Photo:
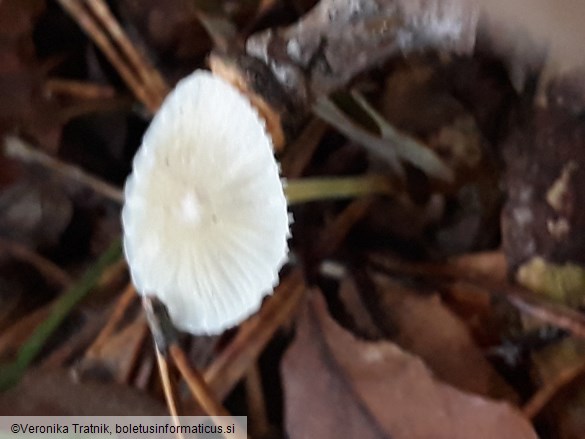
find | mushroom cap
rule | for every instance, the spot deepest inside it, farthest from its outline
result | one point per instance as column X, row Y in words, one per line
column 205, row 216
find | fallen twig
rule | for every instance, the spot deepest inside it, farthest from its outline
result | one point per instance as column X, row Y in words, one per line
column 143, row 91
column 167, row 385
column 235, row 360
column 164, row 336
column 16, row 148
column 78, row 89
column 150, row 76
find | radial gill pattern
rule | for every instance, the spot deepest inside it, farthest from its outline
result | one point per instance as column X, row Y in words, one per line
column 205, row 217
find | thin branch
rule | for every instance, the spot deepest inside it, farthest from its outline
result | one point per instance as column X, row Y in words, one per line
column 200, row 390
column 88, row 23
column 235, row 360
column 197, row 385
column 17, row 149
column 150, row 76
column 165, row 339
column 78, row 89
column 167, row 386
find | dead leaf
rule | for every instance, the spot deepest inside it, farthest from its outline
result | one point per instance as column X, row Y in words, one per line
column 427, row 328
column 421, row 324
column 338, row 386
column 52, row 393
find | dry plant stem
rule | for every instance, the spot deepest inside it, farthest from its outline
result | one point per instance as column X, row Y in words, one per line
column 87, row 22
column 200, row 390
column 17, row 149
column 196, row 384
column 167, row 386
column 150, row 76
column 535, row 405
column 164, row 335
column 234, row 361
column 72, row 111
column 78, row 89
column 323, row 188
column 54, row 274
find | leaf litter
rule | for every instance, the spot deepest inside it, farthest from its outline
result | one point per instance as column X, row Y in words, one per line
column 451, row 103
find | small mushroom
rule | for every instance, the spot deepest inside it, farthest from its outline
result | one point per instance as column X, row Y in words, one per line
column 205, row 216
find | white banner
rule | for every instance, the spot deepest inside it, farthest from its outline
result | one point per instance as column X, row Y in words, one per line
column 139, row 427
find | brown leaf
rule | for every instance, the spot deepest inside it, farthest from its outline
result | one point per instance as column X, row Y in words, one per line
column 44, row 393
column 427, row 328
column 338, row 386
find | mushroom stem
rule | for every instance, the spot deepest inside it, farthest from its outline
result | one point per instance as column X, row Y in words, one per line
column 313, row 189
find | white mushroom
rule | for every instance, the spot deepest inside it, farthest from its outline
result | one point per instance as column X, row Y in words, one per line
column 205, row 217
